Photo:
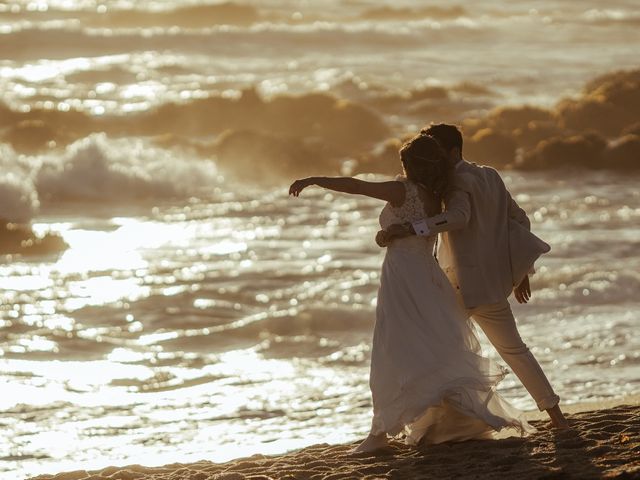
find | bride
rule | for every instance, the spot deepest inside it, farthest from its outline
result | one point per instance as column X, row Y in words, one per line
column 428, row 379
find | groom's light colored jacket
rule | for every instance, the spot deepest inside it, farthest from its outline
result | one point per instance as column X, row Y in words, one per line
column 485, row 246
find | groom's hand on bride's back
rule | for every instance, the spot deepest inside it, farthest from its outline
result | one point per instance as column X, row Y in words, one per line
column 384, row 237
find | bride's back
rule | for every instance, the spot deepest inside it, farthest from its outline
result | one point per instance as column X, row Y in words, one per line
column 432, row 206
column 418, row 204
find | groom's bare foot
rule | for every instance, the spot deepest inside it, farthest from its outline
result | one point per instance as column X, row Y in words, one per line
column 371, row 444
column 558, row 419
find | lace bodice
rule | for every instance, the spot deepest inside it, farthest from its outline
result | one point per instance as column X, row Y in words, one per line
column 410, row 211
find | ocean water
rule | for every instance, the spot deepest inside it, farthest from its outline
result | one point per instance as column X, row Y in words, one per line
column 198, row 315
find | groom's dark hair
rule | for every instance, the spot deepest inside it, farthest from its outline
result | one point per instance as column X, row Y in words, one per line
column 448, row 136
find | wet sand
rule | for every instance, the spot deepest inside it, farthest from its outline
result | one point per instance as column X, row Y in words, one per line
column 604, row 443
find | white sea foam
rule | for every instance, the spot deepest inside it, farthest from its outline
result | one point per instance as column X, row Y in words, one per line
column 99, row 169
column 18, row 198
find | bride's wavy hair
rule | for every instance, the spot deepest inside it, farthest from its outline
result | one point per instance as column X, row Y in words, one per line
column 425, row 163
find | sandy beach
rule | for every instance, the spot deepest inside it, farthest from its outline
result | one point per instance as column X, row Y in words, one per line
column 604, row 443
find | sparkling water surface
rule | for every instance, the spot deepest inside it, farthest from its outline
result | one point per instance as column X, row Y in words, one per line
column 225, row 327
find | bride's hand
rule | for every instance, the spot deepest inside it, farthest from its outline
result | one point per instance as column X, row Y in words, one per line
column 382, row 238
column 299, row 185
column 385, row 237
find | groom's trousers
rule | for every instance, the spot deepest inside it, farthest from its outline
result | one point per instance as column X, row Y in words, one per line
column 499, row 325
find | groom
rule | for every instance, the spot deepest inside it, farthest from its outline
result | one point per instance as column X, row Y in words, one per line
column 485, row 249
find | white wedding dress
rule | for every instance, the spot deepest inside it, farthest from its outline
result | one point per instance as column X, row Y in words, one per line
column 428, row 378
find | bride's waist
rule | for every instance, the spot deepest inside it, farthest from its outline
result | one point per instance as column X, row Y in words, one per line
column 413, row 243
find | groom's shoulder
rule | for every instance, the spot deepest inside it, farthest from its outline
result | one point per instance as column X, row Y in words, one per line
column 481, row 171
column 464, row 180
column 475, row 178
column 468, row 166
column 468, row 172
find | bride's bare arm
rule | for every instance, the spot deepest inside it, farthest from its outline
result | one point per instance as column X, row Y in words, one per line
column 392, row 191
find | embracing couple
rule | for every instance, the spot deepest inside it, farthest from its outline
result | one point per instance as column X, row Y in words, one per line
column 429, row 380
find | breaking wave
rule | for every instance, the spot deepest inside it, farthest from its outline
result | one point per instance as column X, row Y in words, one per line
column 599, row 129
column 259, row 138
column 99, row 169
column 248, row 135
column 18, row 198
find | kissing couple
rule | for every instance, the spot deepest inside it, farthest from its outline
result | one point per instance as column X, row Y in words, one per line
column 429, row 381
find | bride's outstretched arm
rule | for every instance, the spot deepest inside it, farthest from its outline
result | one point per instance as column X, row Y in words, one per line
column 392, row 191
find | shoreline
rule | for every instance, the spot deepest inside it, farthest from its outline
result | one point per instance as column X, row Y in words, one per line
column 604, row 443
